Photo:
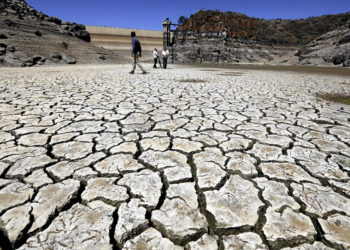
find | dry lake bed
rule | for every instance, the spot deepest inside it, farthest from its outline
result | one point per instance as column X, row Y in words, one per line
column 184, row 158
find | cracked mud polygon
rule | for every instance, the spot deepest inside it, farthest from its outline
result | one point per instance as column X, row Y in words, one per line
column 94, row 158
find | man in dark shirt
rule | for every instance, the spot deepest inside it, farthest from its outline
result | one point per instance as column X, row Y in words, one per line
column 136, row 53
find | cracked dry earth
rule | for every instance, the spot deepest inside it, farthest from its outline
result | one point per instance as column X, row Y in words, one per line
column 93, row 158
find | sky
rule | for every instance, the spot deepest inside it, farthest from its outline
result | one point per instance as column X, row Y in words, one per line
column 149, row 14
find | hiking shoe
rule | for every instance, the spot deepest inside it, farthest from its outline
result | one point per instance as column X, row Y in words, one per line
column 131, row 72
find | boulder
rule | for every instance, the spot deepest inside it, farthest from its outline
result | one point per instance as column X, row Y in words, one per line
column 40, row 15
column 345, row 39
column 68, row 60
column 338, row 59
column 38, row 33
column 56, row 57
column 77, row 27
column 10, row 48
column 19, row 55
column 2, row 51
column 65, row 27
column 2, row 48
column 49, row 62
column 55, row 20
column 3, row 36
column 304, row 51
column 2, row 6
column 64, row 45
column 83, row 35
column 10, row 24
column 37, row 59
column 10, row 60
column 28, row 62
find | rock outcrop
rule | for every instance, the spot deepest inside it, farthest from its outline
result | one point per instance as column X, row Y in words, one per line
column 330, row 48
column 29, row 37
column 196, row 48
column 276, row 31
column 216, row 37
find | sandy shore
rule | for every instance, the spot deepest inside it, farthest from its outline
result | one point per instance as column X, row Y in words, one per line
column 92, row 157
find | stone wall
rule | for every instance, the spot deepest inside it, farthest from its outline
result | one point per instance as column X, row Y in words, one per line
column 118, row 39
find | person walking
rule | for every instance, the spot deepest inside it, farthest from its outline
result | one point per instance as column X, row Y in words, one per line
column 159, row 61
column 165, row 54
column 136, row 53
column 156, row 59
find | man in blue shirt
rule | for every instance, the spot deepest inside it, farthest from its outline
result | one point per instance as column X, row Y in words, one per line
column 136, row 53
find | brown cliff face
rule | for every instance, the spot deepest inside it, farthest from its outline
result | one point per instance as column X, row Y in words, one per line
column 216, row 37
column 236, row 25
column 278, row 31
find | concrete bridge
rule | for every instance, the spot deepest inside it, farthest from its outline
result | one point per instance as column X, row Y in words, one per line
column 118, row 39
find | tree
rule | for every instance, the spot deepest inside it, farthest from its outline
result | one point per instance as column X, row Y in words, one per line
column 182, row 20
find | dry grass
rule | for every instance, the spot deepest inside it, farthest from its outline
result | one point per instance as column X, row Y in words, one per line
column 231, row 74
column 339, row 98
column 191, row 80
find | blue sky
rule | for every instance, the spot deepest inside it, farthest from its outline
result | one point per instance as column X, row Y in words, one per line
column 148, row 14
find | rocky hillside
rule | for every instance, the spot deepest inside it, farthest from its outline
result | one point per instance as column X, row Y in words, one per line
column 216, row 49
column 216, row 37
column 277, row 31
column 330, row 48
column 29, row 37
